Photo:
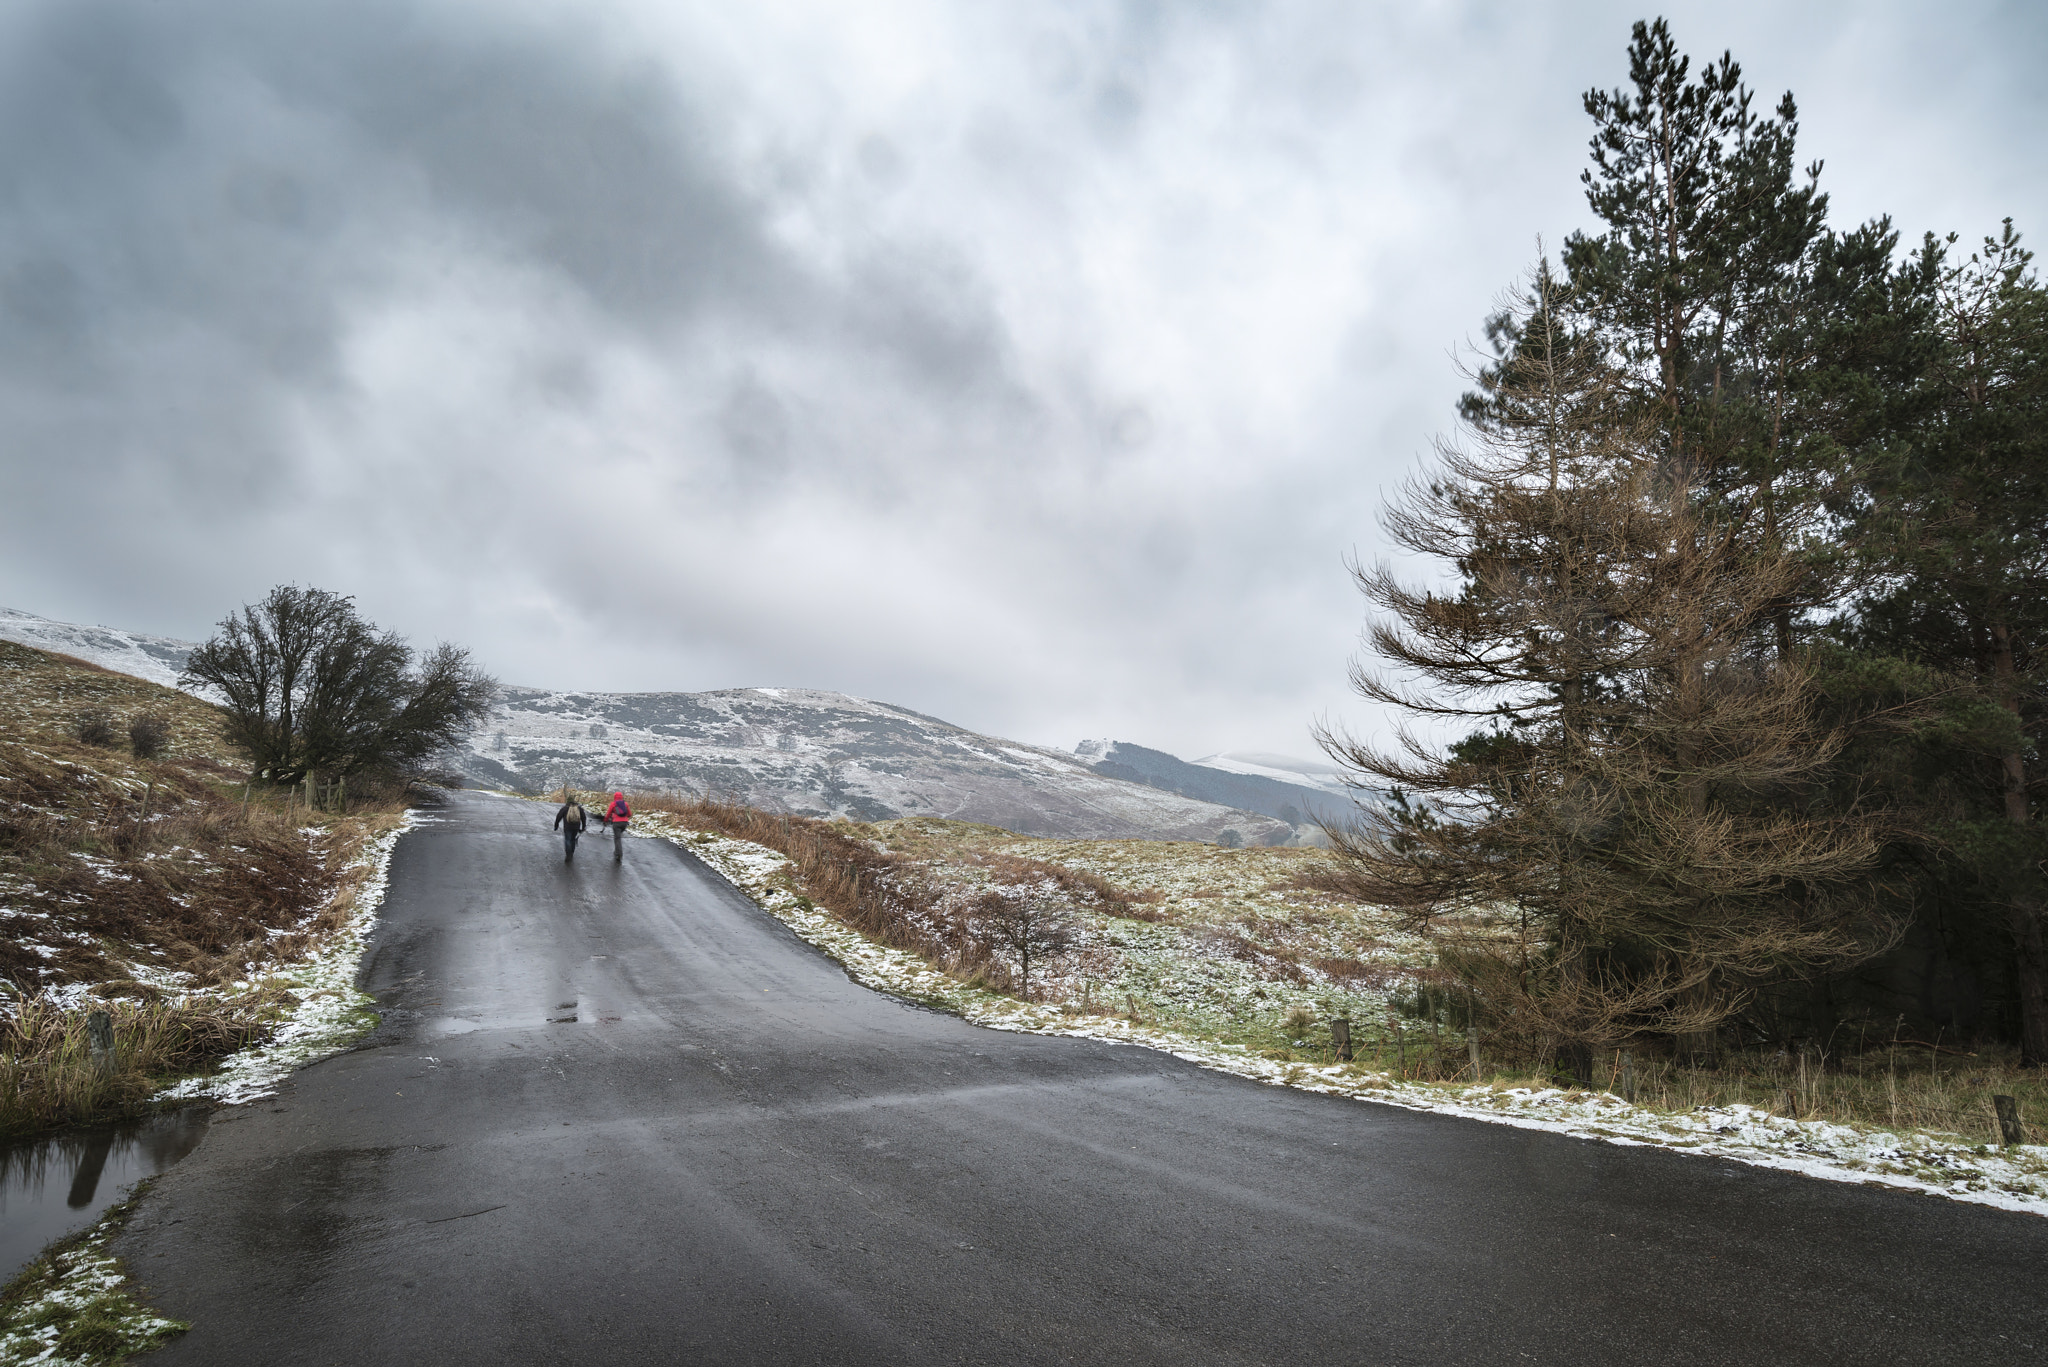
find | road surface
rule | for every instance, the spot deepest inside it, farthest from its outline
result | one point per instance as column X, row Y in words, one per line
column 616, row 1114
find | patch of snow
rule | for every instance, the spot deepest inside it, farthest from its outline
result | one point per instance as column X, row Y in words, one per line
column 329, row 1013
column 87, row 1274
column 1308, row 773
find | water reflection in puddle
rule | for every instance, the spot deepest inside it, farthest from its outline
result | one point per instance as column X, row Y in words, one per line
column 55, row 1186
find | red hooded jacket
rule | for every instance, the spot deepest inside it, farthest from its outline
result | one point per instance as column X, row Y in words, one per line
column 618, row 813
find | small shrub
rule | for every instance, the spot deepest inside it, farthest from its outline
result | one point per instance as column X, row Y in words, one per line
column 1025, row 928
column 1298, row 1019
column 148, row 733
column 94, row 727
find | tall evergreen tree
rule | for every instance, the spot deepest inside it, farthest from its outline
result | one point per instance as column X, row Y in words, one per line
column 1612, row 855
column 1695, row 280
column 1955, row 531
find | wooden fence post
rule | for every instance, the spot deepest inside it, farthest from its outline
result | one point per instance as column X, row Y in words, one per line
column 1340, row 1038
column 1628, row 1077
column 99, row 1040
column 2009, row 1120
column 1472, row 1049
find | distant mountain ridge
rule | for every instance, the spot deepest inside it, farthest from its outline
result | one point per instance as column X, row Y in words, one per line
column 827, row 754
column 1295, row 803
column 797, row 750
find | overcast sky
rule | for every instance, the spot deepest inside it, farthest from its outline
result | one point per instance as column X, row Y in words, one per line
column 1035, row 365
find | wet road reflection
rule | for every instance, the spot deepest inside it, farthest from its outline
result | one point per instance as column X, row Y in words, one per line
column 59, row 1184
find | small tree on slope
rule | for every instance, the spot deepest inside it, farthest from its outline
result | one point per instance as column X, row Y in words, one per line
column 309, row 686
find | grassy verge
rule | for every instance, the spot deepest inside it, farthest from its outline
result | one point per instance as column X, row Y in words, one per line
column 1233, row 965
column 49, row 1076
column 73, row 1304
column 147, row 882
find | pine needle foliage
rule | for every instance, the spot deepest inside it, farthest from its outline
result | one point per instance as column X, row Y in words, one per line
column 1621, row 847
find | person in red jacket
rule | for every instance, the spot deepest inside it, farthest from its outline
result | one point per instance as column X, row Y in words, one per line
column 618, row 814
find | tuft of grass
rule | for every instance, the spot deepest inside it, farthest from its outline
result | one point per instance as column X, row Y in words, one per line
column 49, row 1077
column 95, row 726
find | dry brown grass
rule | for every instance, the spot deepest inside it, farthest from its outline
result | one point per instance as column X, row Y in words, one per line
column 1903, row 1088
column 48, row 1076
column 98, row 866
column 879, row 894
column 115, row 867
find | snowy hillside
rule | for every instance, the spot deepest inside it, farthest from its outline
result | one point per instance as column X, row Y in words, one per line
column 1286, row 794
column 826, row 753
column 794, row 749
column 158, row 659
column 1307, row 773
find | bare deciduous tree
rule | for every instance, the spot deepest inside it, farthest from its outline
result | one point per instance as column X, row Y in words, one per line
column 309, row 685
column 1027, row 927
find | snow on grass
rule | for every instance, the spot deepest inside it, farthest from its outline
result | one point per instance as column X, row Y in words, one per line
column 2012, row 1178
column 327, row 1013
column 72, row 1307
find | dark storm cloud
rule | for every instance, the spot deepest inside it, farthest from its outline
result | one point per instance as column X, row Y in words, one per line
column 1035, row 366
column 231, row 179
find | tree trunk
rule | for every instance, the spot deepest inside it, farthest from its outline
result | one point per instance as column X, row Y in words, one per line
column 2030, row 972
column 2030, row 938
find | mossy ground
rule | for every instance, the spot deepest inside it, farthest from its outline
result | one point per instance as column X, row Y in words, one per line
column 75, row 1305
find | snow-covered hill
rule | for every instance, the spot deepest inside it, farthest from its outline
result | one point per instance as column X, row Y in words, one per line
column 826, row 753
column 1307, row 773
column 794, row 749
column 159, row 659
column 1233, row 781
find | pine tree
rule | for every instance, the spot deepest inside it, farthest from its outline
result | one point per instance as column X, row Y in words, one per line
column 1606, row 858
column 1955, row 530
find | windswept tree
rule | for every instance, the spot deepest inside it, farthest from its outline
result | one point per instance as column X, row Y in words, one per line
column 1619, row 848
column 309, row 686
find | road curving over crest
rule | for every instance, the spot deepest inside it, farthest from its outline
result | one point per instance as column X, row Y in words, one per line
column 615, row 1113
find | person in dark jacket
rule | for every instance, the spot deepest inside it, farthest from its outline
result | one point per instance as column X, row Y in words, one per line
column 617, row 816
column 570, row 821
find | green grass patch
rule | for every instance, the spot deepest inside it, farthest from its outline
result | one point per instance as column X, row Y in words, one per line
column 74, row 1303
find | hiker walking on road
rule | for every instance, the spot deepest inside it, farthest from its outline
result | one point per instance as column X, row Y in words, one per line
column 617, row 815
column 570, row 821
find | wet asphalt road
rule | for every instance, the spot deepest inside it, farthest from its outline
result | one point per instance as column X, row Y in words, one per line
column 732, row 1154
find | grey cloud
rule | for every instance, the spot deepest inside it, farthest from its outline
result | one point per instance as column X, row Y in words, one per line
column 197, row 199
column 1046, row 396
column 755, row 423
column 123, row 141
column 926, row 309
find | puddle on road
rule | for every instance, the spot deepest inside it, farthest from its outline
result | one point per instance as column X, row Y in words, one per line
column 58, row 1185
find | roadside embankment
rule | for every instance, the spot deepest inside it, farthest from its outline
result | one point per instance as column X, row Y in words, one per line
column 1229, row 959
column 158, row 913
